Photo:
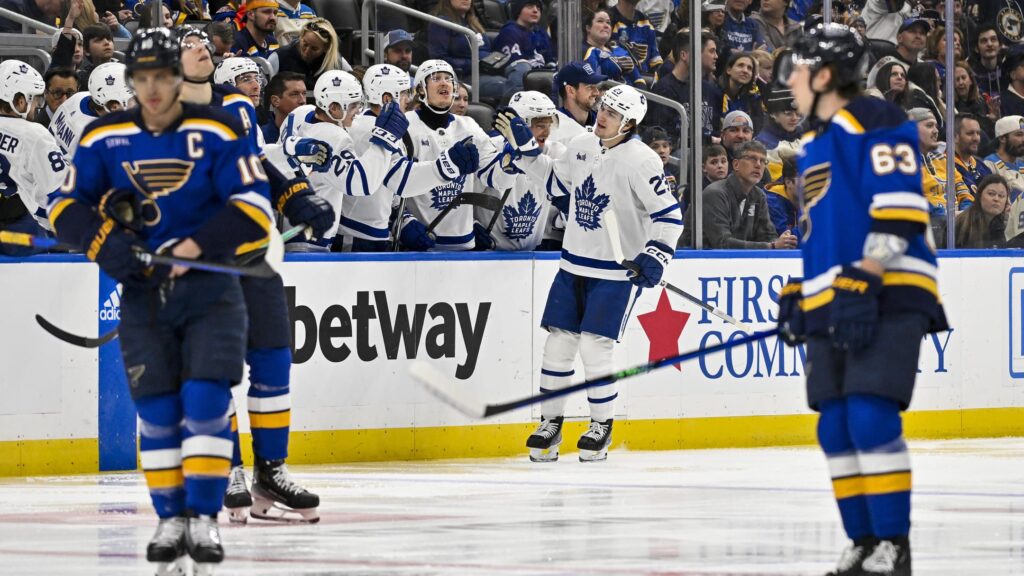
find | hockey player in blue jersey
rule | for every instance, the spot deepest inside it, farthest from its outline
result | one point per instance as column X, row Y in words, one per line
column 180, row 178
column 275, row 496
column 869, row 292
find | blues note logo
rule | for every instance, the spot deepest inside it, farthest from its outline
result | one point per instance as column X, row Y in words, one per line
column 589, row 205
column 443, row 195
column 520, row 219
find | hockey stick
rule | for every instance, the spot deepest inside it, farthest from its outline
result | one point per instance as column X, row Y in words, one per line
column 459, row 397
column 612, row 223
column 75, row 340
column 494, row 218
column 485, row 201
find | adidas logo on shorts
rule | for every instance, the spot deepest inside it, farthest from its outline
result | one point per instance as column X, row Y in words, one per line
column 111, row 309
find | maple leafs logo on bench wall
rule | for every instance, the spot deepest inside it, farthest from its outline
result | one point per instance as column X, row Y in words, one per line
column 590, row 205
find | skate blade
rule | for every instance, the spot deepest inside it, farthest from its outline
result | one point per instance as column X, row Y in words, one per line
column 593, row 455
column 275, row 512
column 177, row 568
column 544, row 454
column 238, row 515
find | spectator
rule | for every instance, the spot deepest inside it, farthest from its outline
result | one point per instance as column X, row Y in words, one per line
column 884, row 18
column 461, row 105
column 967, row 139
column 1007, row 17
column 292, row 15
column 88, row 16
column 985, row 62
column 603, row 54
column 675, row 85
column 775, row 26
column 222, row 36
column 968, row 99
column 783, row 120
column 315, row 52
column 632, row 30
column 737, row 128
column 1008, row 159
column 46, row 11
column 454, row 48
column 935, row 50
column 735, row 210
column 925, row 91
column 398, row 46
column 658, row 140
column 61, row 84
column 910, row 40
column 146, row 16
column 98, row 44
column 740, row 90
column 525, row 43
column 984, row 224
column 256, row 38
column 285, row 92
column 577, row 87
column 68, row 51
column 860, row 25
column 891, row 81
column 716, row 164
column 933, row 165
column 742, row 33
column 765, row 65
column 1011, row 99
column 783, row 200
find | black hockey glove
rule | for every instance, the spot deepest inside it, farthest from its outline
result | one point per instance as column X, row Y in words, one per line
column 791, row 316
column 854, row 311
column 484, row 239
column 300, row 205
column 123, row 207
column 115, row 250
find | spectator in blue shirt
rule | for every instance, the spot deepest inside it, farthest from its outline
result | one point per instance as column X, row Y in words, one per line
column 526, row 44
column 740, row 88
column 633, row 31
column 454, row 48
column 783, row 120
column 604, row 55
column 741, row 32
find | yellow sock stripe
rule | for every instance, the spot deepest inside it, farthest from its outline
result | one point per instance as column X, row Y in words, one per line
column 887, row 483
column 206, row 466
column 164, row 479
column 281, row 419
column 234, row 423
column 848, row 487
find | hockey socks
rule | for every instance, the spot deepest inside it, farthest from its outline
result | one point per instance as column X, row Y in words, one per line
column 206, row 446
column 597, row 353
column 160, row 452
column 557, row 368
column 269, row 401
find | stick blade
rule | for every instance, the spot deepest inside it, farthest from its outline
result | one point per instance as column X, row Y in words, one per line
column 611, row 223
column 446, row 390
column 73, row 339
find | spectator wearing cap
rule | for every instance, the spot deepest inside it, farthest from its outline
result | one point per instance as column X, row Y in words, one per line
column 313, row 53
column 1011, row 99
column 860, row 25
column 776, row 27
column 454, row 48
column 632, row 30
column 737, row 128
column 577, row 87
column 1008, row 159
column 910, row 40
column 735, row 210
column 675, row 86
column 884, row 18
column 967, row 140
column 46, row 11
column 398, row 46
column 257, row 38
column 741, row 32
column 783, row 120
column 741, row 89
column 933, row 165
column 98, row 44
column 526, row 44
column 601, row 52
column 985, row 61
column 285, row 92
column 658, row 140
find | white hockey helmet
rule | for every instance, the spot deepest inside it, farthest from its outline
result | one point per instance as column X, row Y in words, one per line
column 381, row 79
column 530, row 104
column 628, row 102
column 427, row 70
column 228, row 71
column 17, row 77
column 107, row 84
column 337, row 87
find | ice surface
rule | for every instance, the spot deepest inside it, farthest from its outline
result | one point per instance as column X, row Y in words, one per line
column 763, row 511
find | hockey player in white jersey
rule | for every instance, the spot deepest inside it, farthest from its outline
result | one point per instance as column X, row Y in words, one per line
column 31, row 164
column 244, row 74
column 592, row 295
column 108, row 92
column 364, row 220
column 527, row 208
column 433, row 129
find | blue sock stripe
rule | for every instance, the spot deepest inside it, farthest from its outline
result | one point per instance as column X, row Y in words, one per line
column 557, row 374
column 603, row 400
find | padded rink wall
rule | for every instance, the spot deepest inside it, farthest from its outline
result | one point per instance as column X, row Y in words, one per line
column 359, row 319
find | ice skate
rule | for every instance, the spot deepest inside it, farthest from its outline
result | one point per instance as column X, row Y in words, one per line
column 277, row 497
column 594, row 443
column 544, row 441
column 167, row 547
column 889, row 558
column 202, row 540
column 852, row 558
column 237, row 499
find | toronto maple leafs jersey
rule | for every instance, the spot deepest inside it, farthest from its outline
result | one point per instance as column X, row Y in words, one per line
column 861, row 173
column 455, row 232
column 524, row 214
column 70, row 120
column 628, row 178
column 201, row 169
column 31, row 165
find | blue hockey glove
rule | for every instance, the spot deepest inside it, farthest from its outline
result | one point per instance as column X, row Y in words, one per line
column 461, row 159
column 854, row 311
column 389, row 128
column 516, row 132
column 300, row 205
column 315, row 153
column 562, row 203
column 791, row 316
column 484, row 239
column 414, row 235
column 649, row 265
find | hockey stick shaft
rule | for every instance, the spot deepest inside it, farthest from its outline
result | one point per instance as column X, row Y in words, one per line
column 497, row 213
column 73, row 339
column 471, row 198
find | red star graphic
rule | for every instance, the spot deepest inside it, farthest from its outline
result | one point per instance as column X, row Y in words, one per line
column 663, row 327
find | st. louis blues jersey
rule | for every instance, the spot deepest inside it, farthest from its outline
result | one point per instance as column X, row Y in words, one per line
column 70, row 120
column 31, row 165
column 861, row 173
column 199, row 170
column 628, row 179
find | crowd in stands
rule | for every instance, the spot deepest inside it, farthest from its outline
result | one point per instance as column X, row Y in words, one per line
column 750, row 125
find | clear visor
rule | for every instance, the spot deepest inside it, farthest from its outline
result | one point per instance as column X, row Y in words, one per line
column 441, row 77
column 250, row 77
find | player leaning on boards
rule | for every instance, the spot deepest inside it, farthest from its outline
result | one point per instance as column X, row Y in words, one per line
column 108, row 92
column 592, row 296
column 870, row 292
column 182, row 178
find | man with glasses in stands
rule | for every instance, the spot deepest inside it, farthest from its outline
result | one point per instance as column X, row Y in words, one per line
column 61, row 84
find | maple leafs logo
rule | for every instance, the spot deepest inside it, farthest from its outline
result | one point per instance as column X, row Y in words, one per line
column 443, row 195
column 520, row 220
column 589, row 205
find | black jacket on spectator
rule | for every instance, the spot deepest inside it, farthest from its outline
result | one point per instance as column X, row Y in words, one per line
column 289, row 60
column 989, row 81
column 1010, row 103
column 24, row 7
column 733, row 219
column 64, row 53
column 671, row 87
